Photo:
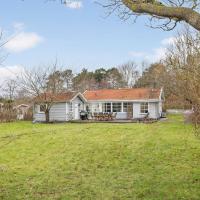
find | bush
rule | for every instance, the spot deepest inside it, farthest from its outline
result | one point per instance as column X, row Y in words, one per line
column 7, row 116
column 193, row 118
column 28, row 116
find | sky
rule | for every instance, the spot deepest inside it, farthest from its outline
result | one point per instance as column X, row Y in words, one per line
column 77, row 35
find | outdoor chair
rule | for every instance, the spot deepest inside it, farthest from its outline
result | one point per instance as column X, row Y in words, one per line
column 95, row 116
column 146, row 117
column 113, row 116
column 91, row 115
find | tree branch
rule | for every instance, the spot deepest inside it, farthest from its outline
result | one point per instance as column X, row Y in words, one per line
column 174, row 13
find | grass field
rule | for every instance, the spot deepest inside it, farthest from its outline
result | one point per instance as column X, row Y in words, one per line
column 99, row 161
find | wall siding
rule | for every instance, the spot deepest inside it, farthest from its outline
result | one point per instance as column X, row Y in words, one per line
column 58, row 112
column 69, row 113
column 136, row 111
column 154, row 110
column 121, row 115
column 39, row 117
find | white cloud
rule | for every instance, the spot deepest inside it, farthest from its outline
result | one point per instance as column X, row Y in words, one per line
column 168, row 41
column 23, row 41
column 73, row 4
column 155, row 54
column 10, row 72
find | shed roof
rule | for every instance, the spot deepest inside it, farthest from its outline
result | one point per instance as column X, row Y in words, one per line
column 60, row 97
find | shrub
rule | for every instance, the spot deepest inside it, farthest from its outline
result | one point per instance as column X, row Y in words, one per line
column 7, row 116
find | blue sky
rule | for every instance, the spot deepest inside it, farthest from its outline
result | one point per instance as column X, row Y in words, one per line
column 77, row 38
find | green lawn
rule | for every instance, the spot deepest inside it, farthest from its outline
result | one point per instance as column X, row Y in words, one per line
column 99, row 161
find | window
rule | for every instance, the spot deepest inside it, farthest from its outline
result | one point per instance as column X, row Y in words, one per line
column 144, row 108
column 42, row 108
column 127, row 107
column 117, row 107
column 106, row 107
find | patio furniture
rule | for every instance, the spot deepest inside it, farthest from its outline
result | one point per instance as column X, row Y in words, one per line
column 146, row 117
column 104, row 116
column 96, row 117
column 114, row 116
column 83, row 115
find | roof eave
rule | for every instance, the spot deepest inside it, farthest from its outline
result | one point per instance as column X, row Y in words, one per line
column 124, row 100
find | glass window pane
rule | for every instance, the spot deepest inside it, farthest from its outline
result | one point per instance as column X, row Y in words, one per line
column 106, row 107
column 127, row 106
column 42, row 107
column 116, row 107
column 144, row 108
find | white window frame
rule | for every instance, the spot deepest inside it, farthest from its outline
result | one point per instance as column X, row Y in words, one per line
column 39, row 107
column 127, row 104
column 144, row 104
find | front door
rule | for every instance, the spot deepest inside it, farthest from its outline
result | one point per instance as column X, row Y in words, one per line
column 76, row 111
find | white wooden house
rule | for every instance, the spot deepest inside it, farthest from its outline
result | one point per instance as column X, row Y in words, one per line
column 131, row 103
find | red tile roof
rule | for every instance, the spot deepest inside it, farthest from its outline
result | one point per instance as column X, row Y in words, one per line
column 123, row 94
column 61, row 97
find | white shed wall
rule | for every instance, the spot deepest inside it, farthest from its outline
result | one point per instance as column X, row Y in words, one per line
column 39, row 117
column 58, row 112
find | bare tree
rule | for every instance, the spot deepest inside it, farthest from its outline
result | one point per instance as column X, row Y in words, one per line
column 129, row 73
column 165, row 13
column 183, row 61
column 10, row 89
column 36, row 85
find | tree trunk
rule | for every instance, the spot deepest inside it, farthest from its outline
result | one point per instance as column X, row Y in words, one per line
column 47, row 116
column 175, row 13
